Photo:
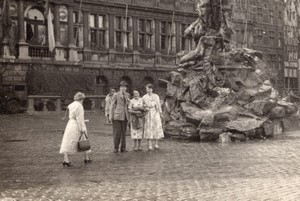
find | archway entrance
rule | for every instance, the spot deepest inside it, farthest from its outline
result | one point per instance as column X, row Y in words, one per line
column 129, row 82
column 145, row 81
column 101, row 89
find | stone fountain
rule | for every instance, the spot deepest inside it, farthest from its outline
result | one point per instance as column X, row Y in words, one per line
column 219, row 91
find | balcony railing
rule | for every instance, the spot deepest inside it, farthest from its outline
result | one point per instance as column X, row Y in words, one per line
column 128, row 58
column 147, row 58
column 37, row 51
column 168, row 60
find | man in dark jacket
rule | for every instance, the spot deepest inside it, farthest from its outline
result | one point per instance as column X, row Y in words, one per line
column 119, row 117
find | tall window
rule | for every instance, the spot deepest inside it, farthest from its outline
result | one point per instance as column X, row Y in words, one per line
column 123, row 33
column 185, row 44
column 272, row 16
column 291, row 80
column 259, row 14
column 63, row 13
column 35, row 27
column 78, row 28
column 280, row 37
column 98, row 30
column 146, row 34
column 259, row 36
column 272, row 38
column 167, row 37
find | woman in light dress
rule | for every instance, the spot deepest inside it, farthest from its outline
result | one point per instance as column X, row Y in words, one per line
column 136, row 111
column 75, row 127
column 153, row 130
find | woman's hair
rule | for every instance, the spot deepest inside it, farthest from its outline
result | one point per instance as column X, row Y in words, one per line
column 79, row 96
column 137, row 91
column 150, row 86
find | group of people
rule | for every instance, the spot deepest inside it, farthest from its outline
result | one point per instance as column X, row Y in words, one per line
column 144, row 115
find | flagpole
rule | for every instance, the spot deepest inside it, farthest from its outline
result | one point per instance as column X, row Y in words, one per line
column 125, row 33
column 170, row 35
column 77, row 30
column 246, row 26
column 51, row 40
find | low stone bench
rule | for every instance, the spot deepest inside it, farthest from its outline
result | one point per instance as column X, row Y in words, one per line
column 94, row 98
column 44, row 99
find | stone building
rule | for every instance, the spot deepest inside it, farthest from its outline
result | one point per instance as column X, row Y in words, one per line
column 291, row 44
column 259, row 24
column 108, row 40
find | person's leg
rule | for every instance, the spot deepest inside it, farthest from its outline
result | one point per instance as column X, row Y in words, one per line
column 139, row 144
column 87, row 157
column 87, row 154
column 135, row 144
column 66, row 158
column 123, row 135
column 156, row 144
column 117, row 129
column 150, row 144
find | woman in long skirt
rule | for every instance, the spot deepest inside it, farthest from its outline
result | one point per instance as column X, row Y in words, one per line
column 153, row 130
column 74, row 129
column 136, row 111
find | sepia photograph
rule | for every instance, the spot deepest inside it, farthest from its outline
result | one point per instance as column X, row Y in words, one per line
column 149, row 100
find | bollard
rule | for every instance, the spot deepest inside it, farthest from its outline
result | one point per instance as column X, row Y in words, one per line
column 58, row 105
column 30, row 109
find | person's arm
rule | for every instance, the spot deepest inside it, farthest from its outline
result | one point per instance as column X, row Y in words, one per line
column 145, row 105
column 133, row 110
column 107, row 105
column 65, row 114
column 80, row 119
column 130, row 107
column 158, row 105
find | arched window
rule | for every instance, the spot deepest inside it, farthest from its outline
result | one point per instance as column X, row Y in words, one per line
column 101, row 85
column 145, row 81
column 35, row 26
column 63, row 27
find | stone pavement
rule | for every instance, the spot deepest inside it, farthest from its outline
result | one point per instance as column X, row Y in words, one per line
column 31, row 169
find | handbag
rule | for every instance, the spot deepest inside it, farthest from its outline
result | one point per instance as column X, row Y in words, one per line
column 84, row 144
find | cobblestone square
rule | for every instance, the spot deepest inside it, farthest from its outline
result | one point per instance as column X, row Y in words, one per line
column 31, row 168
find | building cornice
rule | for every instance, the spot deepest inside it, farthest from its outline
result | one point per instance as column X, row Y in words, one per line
column 87, row 3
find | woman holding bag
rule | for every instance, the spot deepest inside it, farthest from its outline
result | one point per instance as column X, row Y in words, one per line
column 74, row 130
column 136, row 111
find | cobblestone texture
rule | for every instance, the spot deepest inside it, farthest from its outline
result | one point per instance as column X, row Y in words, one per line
column 31, row 167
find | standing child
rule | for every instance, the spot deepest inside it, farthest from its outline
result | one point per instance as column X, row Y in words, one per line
column 107, row 104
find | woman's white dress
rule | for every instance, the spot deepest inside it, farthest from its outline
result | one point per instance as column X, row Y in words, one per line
column 73, row 129
column 136, row 133
column 153, row 124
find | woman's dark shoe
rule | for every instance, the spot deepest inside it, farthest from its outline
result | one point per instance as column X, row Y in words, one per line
column 67, row 164
column 86, row 161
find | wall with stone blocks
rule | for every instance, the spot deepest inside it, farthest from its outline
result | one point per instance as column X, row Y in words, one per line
column 13, row 73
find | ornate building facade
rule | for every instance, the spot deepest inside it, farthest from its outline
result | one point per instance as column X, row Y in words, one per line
column 259, row 24
column 291, row 44
column 110, row 40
